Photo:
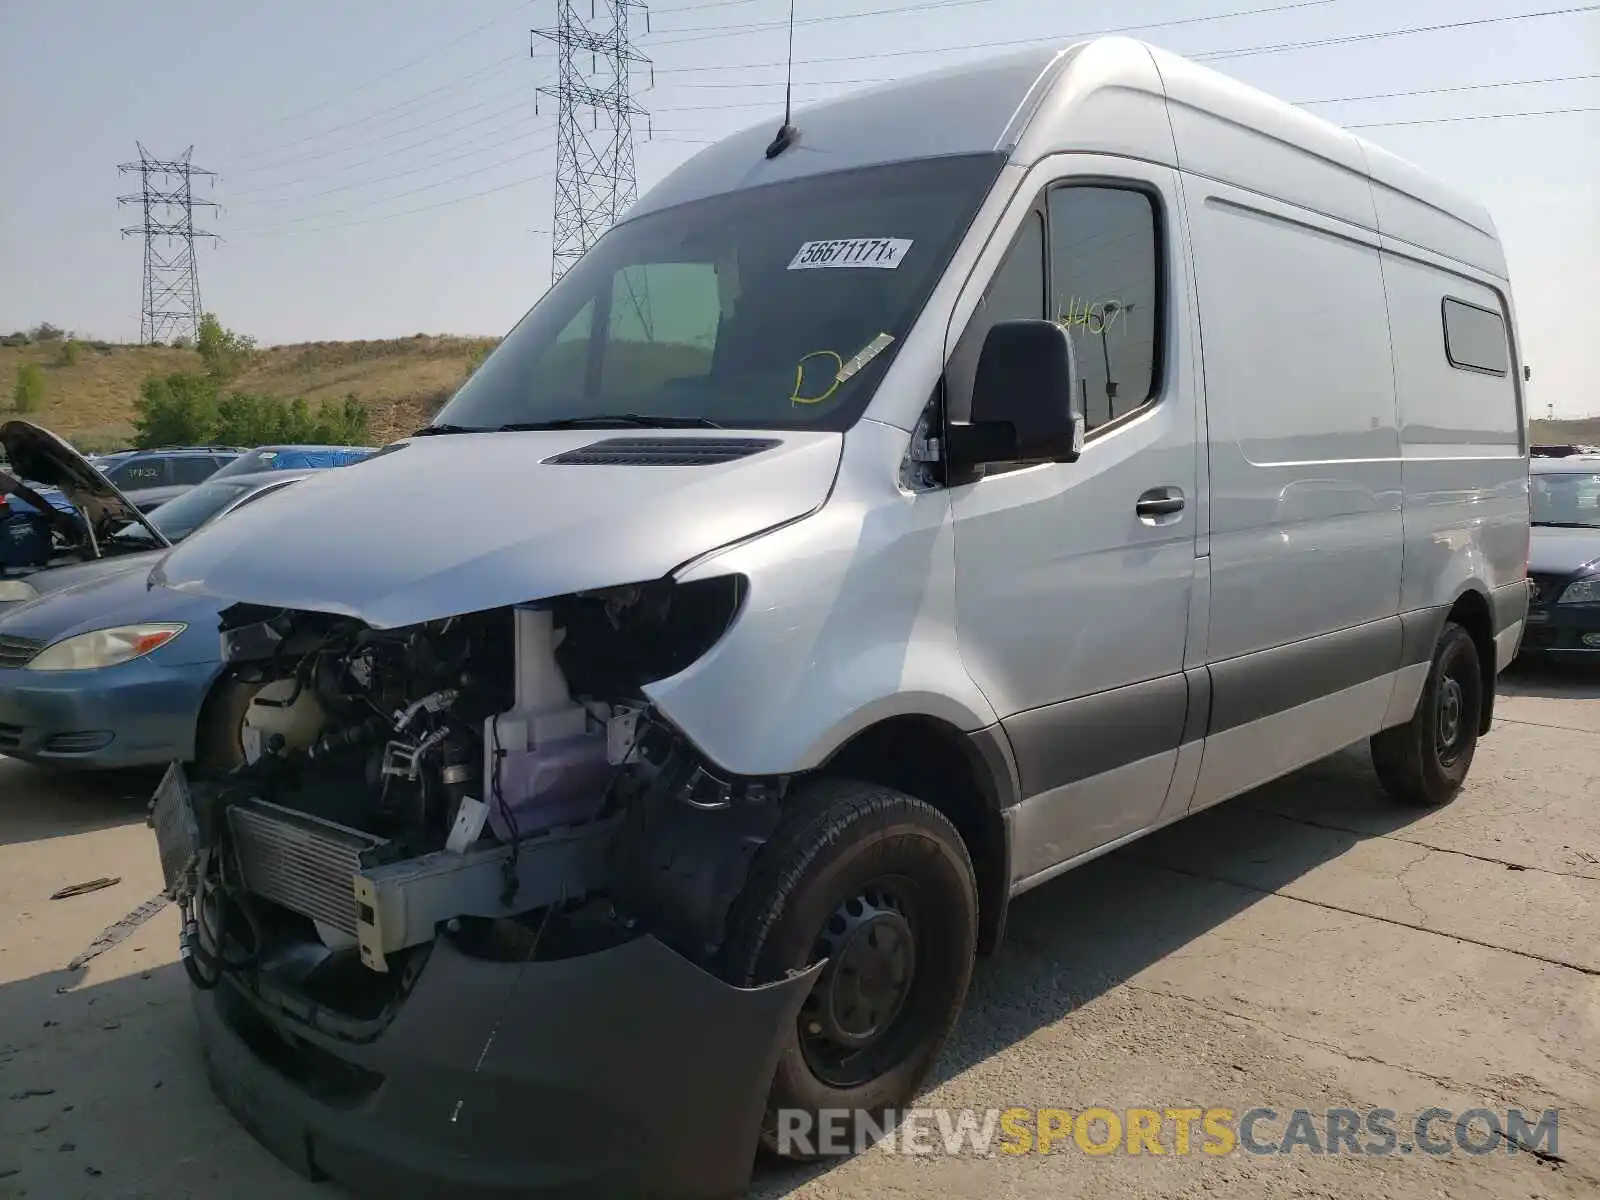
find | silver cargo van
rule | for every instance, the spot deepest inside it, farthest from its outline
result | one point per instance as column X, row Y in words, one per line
column 877, row 522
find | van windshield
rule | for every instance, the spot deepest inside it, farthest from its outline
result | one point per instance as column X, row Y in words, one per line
column 772, row 307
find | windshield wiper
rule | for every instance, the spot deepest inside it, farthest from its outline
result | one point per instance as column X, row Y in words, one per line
column 1564, row 525
column 611, row 419
column 428, row 430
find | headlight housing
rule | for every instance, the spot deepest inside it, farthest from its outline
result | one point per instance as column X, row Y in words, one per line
column 1585, row 591
column 104, row 647
column 13, row 591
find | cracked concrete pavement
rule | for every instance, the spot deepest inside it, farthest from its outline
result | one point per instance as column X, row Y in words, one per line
column 1309, row 945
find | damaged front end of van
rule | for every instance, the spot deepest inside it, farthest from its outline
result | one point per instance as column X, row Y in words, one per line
column 454, row 917
column 472, row 913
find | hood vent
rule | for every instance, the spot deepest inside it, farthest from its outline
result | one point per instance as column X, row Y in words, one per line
column 662, row 452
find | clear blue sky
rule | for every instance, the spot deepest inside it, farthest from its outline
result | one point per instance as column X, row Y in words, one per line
column 329, row 123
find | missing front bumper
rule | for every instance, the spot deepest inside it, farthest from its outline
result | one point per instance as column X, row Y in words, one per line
column 625, row 1072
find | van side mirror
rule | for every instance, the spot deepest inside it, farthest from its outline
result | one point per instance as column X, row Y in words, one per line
column 1024, row 403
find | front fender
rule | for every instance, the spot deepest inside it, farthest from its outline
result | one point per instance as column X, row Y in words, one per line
column 850, row 619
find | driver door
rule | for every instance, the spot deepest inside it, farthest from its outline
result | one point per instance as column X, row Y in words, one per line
column 1074, row 590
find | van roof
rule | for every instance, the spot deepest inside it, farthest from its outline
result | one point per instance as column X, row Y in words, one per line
column 1112, row 95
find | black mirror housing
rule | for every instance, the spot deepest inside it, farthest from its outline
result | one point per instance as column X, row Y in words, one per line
column 1024, row 403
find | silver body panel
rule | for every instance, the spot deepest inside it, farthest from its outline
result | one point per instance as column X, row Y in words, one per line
column 397, row 556
column 1344, row 484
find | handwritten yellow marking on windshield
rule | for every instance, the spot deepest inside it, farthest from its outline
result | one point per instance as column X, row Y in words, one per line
column 844, row 371
column 799, row 377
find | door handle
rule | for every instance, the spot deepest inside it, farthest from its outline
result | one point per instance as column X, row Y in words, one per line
column 1159, row 502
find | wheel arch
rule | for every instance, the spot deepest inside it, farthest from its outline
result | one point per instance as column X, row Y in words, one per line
column 1473, row 611
column 970, row 777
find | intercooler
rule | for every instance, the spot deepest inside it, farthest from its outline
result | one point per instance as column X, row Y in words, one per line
column 301, row 862
column 328, row 872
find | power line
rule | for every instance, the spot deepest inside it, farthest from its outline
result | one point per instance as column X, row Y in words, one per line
column 1353, row 38
column 433, row 139
column 706, row 141
column 1433, row 91
column 171, row 295
column 427, row 187
column 700, row 33
column 1242, row 52
column 1509, row 116
column 398, row 133
column 453, row 86
column 426, row 165
column 393, row 71
column 697, row 7
column 409, row 212
column 1439, row 91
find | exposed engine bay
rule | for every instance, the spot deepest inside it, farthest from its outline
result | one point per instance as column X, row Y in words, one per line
column 497, row 777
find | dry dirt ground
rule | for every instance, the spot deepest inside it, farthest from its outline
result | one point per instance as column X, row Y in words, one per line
column 1305, row 946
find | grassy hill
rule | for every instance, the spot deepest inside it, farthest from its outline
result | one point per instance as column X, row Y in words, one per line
column 402, row 382
column 90, row 401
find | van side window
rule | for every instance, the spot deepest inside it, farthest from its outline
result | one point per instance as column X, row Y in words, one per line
column 664, row 321
column 1016, row 293
column 1105, row 291
column 1475, row 338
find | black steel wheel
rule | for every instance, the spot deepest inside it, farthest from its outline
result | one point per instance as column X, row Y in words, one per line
column 879, row 885
column 1425, row 761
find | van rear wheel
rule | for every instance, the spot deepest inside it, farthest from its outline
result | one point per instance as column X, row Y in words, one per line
column 1425, row 761
column 881, row 886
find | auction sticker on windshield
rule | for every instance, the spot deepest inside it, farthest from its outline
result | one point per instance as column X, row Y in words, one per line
column 884, row 253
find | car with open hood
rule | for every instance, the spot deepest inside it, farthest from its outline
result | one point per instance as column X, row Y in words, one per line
column 74, row 520
column 1564, row 558
column 858, row 538
column 134, row 547
column 99, row 666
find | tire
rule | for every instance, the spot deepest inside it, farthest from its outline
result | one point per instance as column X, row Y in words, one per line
column 1425, row 761
column 880, row 884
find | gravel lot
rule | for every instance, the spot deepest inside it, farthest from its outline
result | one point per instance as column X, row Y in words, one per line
column 1305, row 946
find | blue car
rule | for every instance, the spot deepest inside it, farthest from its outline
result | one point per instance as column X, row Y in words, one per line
column 103, row 667
column 110, row 673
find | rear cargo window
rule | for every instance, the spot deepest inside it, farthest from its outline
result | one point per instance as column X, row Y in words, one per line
column 1475, row 338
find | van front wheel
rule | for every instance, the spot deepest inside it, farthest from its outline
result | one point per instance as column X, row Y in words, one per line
column 1425, row 761
column 881, row 886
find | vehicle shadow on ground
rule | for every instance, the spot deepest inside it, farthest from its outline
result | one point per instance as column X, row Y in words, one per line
column 37, row 803
column 1080, row 936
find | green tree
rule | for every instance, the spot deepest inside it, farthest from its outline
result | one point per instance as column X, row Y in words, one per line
column 28, row 393
column 224, row 352
column 69, row 353
column 175, row 410
column 247, row 419
column 46, row 332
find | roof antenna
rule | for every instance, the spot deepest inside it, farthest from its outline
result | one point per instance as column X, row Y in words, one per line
column 787, row 135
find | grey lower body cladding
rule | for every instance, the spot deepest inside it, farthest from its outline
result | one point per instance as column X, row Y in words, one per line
column 626, row 1072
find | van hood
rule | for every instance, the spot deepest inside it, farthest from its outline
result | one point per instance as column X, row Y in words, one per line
column 39, row 456
column 1554, row 550
column 437, row 526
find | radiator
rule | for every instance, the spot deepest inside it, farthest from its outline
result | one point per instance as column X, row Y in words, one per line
column 304, row 863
